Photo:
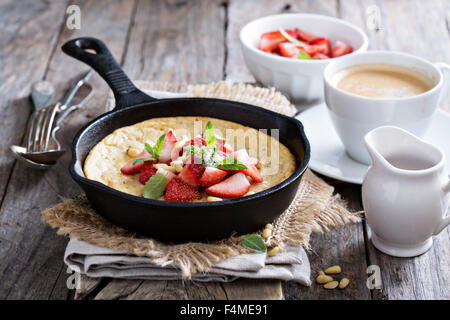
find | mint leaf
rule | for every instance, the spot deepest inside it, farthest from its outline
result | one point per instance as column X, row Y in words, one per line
column 139, row 160
column 149, row 149
column 209, row 135
column 254, row 242
column 303, row 55
column 158, row 146
column 231, row 163
column 155, row 186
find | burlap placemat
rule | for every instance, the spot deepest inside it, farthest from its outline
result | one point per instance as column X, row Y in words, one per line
column 315, row 208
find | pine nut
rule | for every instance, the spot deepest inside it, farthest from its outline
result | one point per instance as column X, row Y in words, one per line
column 321, row 273
column 266, row 233
column 321, row 279
column 274, row 251
column 178, row 165
column 211, row 199
column 333, row 270
column 344, row 283
column 133, row 152
column 164, row 166
column 268, row 226
column 331, row 285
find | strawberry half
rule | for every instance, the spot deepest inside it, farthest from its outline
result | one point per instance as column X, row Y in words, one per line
column 235, row 186
column 291, row 50
column 251, row 171
column 304, row 36
column 169, row 143
column 177, row 190
column 192, row 173
column 224, row 147
column 147, row 171
column 288, row 49
column 199, row 142
column 323, row 44
column 270, row 40
column 129, row 168
column 340, row 48
column 212, row 176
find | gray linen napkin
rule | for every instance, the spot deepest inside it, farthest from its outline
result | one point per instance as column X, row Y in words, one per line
column 95, row 262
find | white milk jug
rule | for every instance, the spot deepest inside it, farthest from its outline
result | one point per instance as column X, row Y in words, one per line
column 405, row 193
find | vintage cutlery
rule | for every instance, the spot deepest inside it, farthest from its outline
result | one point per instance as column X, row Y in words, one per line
column 42, row 131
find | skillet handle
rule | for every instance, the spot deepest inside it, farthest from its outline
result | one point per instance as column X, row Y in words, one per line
column 102, row 61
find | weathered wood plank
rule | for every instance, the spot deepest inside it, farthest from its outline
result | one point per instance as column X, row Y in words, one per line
column 189, row 290
column 242, row 12
column 427, row 276
column 29, row 33
column 31, row 253
column 177, row 41
column 345, row 247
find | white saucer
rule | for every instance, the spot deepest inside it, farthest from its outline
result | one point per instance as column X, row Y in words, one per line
column 328, row 156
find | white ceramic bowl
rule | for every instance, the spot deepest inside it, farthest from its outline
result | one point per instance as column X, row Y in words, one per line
column 300, row 79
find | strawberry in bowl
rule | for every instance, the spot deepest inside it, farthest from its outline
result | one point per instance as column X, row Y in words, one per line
column 290, row 51
column 298, row 44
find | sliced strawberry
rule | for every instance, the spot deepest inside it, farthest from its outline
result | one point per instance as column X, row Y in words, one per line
column 199, row 142
column 291, row 50
column 304, row 36
column 320, row 56
column 270, row 40
column 340, row 48
column 212, row 176
column 129, row 168
column 178, row 190
column 288, row 49
column 235, row 186
column 169, row 143
column 243, row 157
column 169, row 175
column 323, row 44
column 253, row 161
column 251, row 171
column 192, row 173
column 147, row 171
column 225, row 147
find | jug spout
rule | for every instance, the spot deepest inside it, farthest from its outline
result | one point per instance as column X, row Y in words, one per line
column 397, row 149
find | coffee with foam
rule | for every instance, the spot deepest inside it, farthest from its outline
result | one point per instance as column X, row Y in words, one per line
column 377, row 80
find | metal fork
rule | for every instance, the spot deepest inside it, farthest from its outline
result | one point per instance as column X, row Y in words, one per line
column 41, row 127
column 41, row 96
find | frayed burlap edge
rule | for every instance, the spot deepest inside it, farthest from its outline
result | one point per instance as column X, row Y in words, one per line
column 315, row 208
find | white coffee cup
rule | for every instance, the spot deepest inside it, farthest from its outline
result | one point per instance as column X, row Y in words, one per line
column 353, row 115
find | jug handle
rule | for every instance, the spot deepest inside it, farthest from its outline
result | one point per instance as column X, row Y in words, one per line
column 445, row 221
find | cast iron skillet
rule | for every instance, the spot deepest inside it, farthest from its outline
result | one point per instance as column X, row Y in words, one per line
column 174, row 221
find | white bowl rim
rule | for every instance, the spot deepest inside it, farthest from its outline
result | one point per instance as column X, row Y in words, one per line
column 363, row 47
column 437, row 85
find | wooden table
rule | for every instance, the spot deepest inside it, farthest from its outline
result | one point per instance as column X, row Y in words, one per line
column 186, row 41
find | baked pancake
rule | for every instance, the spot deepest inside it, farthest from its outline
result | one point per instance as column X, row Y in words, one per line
column 104, row 162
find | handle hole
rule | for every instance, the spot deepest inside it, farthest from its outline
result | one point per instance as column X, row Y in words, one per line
column 88, row 46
